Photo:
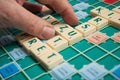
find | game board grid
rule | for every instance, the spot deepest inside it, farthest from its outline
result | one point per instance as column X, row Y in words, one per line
column 80, row 53
column 13, row 61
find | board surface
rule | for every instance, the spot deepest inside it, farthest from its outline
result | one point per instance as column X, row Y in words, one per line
column 78, row 57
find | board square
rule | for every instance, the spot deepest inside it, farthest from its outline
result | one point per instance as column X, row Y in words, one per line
column 116, row 37
column 109, row 45
column 95, row 53
column 97, row 38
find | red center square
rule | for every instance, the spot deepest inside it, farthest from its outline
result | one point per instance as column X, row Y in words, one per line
column 110, row 1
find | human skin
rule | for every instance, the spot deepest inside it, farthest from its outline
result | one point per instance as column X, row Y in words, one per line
column 19, row 13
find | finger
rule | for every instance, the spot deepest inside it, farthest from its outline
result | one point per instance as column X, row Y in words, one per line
column 20, row 1
column 34, row 8
column 64, row 8
column 30, row 23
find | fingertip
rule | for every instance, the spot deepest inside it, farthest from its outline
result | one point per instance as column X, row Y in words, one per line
column 70, row 17
column 73, row 21
column 47, row 33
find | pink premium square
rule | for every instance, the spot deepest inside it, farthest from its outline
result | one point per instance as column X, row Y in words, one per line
column 97, row 38
column 116, row 37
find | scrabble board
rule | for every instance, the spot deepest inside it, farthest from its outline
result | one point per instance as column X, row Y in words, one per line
column 93, row 54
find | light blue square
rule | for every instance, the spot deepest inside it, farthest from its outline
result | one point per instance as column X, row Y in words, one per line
column 62, row 71
column 92, row 71
column 81, row 6
column 18, row 53
column 81, row 15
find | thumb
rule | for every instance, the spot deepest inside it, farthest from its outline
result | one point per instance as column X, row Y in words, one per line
column 30, row 23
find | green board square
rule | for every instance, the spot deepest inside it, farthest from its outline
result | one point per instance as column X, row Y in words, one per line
column 82, row 45
column 34, row 71
column 100, row 4
column 2, row 51
column 68, row 53
column 95, row 53
column 45, row 77
column 17, row 32
column 110, row 7
column 110, row 30
column 86, row 19
column 79, row 62
column 27, row 61
column 117, row 52
column 73, row 2
column 79, row 23
column 76, row 77
column 91, row 2
column 109, row 45
column 109, row 62
column 117, row 4
column 33, row 1
column 11, row 46
column 4, row 60
column 12, row 30
column 88, row 10
column 109, row 77
column 57, row 16
column 19, row 76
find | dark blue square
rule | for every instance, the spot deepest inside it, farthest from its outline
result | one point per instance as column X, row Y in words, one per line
column 117, row 72
column 8, row 70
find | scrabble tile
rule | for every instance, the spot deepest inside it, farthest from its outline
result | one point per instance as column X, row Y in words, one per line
column 51, row 59
column 40, row 50
column 8, row 70
column 116, row 71
column 51, row 20
column 57, row 43
column 97, row 38
column 68, row 33
column 117, row 9
column 110, row 15
column 72, row 36
column 99, row 22
column 18, row 53
column 28, row 44
column 99, row 11
column 93, row 71
column 63, row 71
column 116, row 22
column 116, row 37
column 86, row 28
column 23, row 37
column 61, row 28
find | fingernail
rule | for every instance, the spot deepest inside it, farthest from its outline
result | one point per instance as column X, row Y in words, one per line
column 47, row 33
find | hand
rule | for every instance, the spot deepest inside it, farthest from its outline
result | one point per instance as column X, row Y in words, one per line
column 12, row 13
